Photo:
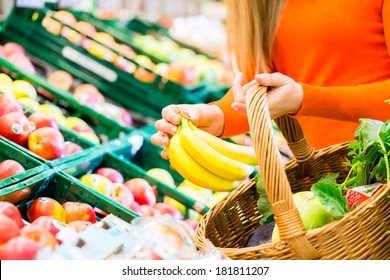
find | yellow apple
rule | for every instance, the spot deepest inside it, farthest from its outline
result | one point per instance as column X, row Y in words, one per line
column 92, row 137
column 54, row 111
column 5, row 84
column 99, row 183
column 72, row 122
column 29, row 103
column 21, row 89
column 162, row 175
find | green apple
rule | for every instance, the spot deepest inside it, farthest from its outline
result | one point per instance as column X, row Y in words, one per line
column 311, row 210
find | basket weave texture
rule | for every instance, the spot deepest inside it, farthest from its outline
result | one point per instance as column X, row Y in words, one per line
column 360, row 234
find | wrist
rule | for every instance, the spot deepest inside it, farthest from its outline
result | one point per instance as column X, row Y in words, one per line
column 218, row 123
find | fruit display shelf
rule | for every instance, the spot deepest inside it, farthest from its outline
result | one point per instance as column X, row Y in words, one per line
column 215, row 90
column 24, row 26
column 105, row 128
column 61, row 187
column 128, row 170
column 31, row 165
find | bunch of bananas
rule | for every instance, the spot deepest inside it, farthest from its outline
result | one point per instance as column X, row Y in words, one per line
column 208, row 161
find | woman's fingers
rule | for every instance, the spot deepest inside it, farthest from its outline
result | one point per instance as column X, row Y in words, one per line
column 160, row 138
column 238, row 93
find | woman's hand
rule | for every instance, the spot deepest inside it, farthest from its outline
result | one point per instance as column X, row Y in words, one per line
column 207, row 117
column 284, row 94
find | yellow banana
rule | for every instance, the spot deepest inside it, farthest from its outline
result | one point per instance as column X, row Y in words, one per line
column 187, row 167
column 209, row 158
column 241, row 153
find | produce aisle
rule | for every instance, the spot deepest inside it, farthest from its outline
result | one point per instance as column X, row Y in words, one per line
column 81, row 86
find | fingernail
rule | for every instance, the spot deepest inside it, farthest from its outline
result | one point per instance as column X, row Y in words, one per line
column 173, row 129
column 176, row 119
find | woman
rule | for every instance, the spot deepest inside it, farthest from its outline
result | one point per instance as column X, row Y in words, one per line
column 327, row 63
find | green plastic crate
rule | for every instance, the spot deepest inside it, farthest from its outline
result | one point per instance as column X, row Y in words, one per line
column 129, row 170
column 24, row 26
column 30, row 164
column 62, row 187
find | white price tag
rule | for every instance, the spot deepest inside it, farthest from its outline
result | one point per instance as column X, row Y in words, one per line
column 89, row 64
column 30, row 3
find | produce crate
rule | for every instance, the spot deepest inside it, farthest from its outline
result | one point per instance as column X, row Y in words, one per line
column 30, row 164
column 129, row 170
column 61, row 187
column 106, row 128
column 25, row 27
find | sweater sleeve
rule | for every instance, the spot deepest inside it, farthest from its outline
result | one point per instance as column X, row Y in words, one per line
column 351, row 102
column 235, row 123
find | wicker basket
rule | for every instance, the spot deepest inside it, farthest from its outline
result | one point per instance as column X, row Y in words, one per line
column 360, row 234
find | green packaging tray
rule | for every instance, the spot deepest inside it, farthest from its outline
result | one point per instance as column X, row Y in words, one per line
column 106, row 128
column 129, row 170
column 30, row 164
column 24, row 26
column 62, row 187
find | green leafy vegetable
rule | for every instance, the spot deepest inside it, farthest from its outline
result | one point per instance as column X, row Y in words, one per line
column 263, row 203
column 330, row 196
column 370, row 154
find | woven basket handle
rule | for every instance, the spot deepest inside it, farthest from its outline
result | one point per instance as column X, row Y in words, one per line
column 274, row 176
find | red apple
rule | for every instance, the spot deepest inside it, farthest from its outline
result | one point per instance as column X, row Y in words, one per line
column 12, row 47
column 40, row 235
column 79, row 226
column 46, row 142
column 149, row 211
column 83, row 128
column 11, row 211
column 2, row 52
column 85, row 28
column 17, row 196
column 91, row 99
column 166, row 208
column 183, row 73
column 71, row 148
column 125, row 117
column 22, row 61
column 49, row 223
column 19, row 248
column 121, row 194
column 142, row 191
column 15, row 127
column 8, row 104
column 135, row 207
column 62, row 79
column 46, row 206
column 10, row 168
column 79, row 211
column 112, row 174
column 42, row 119
column 8, row 229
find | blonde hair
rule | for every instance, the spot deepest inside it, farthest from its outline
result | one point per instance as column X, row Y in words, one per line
column 251, row 29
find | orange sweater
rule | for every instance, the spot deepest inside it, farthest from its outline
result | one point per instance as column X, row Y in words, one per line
column 339, row 50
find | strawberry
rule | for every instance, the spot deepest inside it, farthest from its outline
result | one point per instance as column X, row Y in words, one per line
column 359, row 194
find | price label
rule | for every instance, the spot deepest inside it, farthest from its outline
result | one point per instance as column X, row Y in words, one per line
column 30, row 3
column 89, row 64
